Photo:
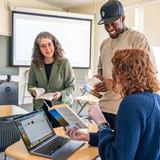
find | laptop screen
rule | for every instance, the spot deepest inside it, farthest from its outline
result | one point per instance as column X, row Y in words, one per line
column 34, row 128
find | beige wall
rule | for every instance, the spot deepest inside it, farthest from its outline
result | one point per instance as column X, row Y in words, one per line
column 152, row 22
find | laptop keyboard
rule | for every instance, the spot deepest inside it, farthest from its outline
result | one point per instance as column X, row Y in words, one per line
column 53, row 145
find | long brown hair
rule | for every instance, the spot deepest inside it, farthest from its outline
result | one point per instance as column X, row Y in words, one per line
column 133, row 72
column 37, row 56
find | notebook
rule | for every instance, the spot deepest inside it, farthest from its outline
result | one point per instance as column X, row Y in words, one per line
column 40, row 138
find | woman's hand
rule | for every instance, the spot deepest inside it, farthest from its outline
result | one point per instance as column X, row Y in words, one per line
column 77, row 134
column 96, row 114
column 33, row 93
column 57, row 95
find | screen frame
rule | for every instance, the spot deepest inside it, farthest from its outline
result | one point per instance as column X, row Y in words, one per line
column 88, row 19
column 19, row 126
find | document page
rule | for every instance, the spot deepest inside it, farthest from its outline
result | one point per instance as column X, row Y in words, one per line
column 38, row 91
column 89, row 87
column 40, row 94
column 47, row 96
column 68, row 116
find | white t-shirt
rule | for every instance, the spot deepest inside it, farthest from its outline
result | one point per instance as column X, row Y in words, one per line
column 128, row 39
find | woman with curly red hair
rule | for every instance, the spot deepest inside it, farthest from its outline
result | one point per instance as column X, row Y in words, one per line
column 137, row 133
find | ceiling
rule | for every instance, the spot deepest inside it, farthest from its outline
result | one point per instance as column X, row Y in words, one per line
column 67, row 3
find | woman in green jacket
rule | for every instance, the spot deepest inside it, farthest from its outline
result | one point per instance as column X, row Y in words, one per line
column 51, row 71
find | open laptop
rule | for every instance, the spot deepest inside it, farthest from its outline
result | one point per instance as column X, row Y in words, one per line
column 40, row 138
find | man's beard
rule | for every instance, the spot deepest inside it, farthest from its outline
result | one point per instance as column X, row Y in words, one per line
column 114, row 36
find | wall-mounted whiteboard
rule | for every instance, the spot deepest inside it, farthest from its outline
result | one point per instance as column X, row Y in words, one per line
column 72, row 30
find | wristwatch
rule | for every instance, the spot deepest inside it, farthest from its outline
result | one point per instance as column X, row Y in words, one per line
column 103, row 125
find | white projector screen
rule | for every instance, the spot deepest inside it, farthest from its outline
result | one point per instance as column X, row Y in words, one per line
column 73, row 33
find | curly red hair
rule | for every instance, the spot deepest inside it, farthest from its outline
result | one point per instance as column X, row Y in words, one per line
column 133, row 72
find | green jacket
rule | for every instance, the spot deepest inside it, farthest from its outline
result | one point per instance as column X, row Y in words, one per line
column 61, row 79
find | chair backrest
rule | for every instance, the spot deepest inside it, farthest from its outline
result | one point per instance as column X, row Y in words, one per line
column 9, row 92
column 8, row 133
column 26, row 75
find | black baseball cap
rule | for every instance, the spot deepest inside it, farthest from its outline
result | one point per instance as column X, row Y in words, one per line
column 111, row 11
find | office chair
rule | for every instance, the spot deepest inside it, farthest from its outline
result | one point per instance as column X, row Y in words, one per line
column 8, row 92
column 8, row 133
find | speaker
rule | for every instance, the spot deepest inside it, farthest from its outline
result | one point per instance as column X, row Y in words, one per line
column 8, row 92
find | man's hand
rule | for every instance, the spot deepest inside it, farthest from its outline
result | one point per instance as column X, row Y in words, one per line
column 100, row 87
column 108, row 84
column 99, row 77
column 103, row 86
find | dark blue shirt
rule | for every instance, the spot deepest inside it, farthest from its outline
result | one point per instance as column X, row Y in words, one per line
column 137, row 135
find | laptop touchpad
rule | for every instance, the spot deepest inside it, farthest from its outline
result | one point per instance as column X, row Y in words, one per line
column 67, row 149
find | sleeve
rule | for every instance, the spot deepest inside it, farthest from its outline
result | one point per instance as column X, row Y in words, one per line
column 99, row 63
column 93, row 139
column 31, row 78
column 99, row 67
column 142, row 42
column 69, row 83
column 123, row 143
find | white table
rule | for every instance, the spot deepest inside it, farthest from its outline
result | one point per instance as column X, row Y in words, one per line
column 84, row 100
column 8, row 110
